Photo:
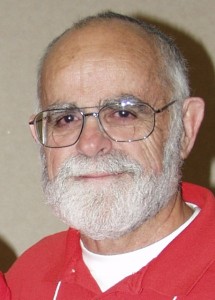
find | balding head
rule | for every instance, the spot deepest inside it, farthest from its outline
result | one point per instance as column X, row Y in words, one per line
column 119, row 31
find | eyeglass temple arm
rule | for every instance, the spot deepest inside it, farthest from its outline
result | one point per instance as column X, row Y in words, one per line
column 33, row 121
column 165, row 107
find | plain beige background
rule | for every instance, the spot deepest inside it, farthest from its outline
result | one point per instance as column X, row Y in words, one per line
column 26, row 26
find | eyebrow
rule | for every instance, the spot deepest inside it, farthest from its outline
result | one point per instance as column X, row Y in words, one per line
column 62, row 105
column 127, row 98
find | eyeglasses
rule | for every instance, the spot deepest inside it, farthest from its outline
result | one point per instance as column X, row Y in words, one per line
column 126, row 120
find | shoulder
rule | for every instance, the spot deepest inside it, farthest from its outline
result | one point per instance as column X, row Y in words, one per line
column 197, row 194
column 41, row 265
column 39, row 256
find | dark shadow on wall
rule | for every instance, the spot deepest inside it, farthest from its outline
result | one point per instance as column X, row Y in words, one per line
column 197, row 167
column 7, row 255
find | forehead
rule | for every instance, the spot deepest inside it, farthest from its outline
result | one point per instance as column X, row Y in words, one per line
column 101, row 60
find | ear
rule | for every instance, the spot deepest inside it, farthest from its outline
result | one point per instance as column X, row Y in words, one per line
column 32, row 128
column 193, row 114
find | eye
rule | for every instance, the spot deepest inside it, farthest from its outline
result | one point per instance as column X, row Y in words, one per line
column 125, row 114
column 64, row 119
column 119, row 115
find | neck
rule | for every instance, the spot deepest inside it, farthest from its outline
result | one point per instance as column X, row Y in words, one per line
column 164, row 223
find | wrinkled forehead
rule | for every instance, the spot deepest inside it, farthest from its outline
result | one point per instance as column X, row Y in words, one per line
column 114, row 43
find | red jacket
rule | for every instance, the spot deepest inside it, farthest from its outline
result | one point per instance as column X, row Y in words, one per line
column 4, row 291
column 185, row 269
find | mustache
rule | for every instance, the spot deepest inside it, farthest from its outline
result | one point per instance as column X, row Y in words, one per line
column 111, row 163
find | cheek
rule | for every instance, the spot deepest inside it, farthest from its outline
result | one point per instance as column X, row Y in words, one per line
column 55, row 158
column 153, row 154
column 149, row 152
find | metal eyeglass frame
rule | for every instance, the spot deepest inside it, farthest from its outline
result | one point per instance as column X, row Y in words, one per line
column 96, row 115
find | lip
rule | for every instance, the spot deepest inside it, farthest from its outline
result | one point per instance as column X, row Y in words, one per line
column 101, row 176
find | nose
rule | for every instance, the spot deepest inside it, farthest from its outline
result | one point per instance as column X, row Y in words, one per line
column 93, row 141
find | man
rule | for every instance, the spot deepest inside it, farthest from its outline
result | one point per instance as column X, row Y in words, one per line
column 116, row 122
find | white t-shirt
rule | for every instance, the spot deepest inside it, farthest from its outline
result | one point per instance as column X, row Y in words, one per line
column 107, row 270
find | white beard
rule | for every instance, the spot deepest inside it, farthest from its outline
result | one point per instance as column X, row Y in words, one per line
column 117, row 206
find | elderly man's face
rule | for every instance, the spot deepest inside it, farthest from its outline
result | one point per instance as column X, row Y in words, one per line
column 92, row 65
column 101, row 187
